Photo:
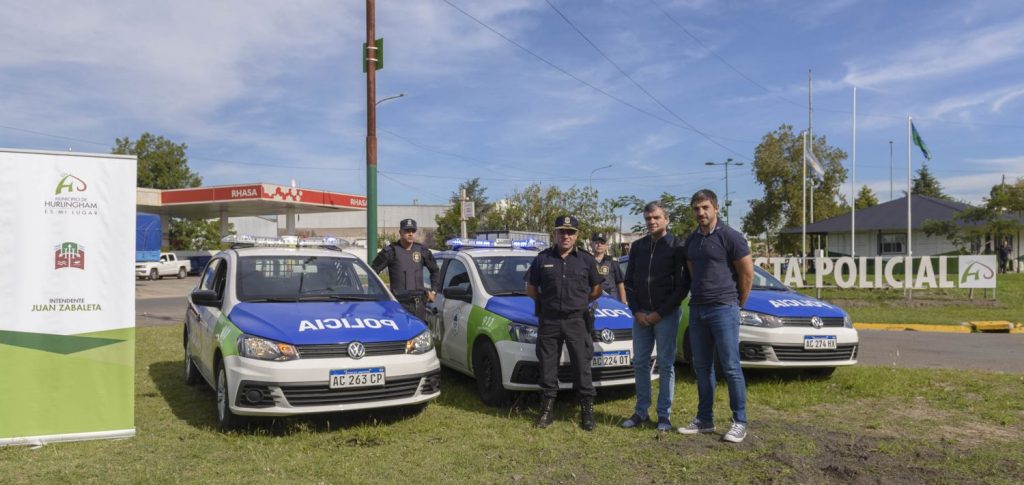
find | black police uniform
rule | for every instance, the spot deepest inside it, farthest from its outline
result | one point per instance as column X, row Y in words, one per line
column 405, row 270
column 564, row 286
column 610, row 270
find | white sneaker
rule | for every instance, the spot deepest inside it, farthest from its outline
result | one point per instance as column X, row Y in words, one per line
column 697, row 426
column 736, row 433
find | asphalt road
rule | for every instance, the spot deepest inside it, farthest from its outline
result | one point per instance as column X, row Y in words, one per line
column 162, row 302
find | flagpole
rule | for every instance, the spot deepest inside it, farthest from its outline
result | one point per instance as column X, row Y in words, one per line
column 803, row 212
column 853, row 183
column 808, row 140
column 910, row 252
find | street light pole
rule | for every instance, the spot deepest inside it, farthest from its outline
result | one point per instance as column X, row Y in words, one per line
column 727, row 202
column 591, row 184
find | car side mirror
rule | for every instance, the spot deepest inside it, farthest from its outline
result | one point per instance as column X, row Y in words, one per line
column 205, row 298
column 461, row 293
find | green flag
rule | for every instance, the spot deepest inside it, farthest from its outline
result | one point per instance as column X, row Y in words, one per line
column 919, row 142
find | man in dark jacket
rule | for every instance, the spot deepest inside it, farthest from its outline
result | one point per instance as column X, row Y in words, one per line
column 656, row 284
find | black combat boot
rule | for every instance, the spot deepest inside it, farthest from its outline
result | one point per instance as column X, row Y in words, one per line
column 547, row 412
column 587, row 413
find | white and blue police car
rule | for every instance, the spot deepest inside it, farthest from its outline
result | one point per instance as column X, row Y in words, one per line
column 282, row 326
column 781, row 328
column 485, row 325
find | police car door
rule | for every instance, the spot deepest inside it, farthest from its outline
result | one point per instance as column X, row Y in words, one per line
column 214, row 279
column 455, row 313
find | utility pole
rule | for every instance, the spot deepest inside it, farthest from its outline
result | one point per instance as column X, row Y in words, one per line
column 371, row 132
column 462, row 213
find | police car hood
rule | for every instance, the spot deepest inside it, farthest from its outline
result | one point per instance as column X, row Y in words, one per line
column 790, row 304
column 610, row 313
column 305, row 323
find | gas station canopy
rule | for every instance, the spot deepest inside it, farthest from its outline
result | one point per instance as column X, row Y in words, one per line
column 257, row 199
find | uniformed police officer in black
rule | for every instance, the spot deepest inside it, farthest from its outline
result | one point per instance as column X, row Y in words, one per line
column 564, row 280
column 405, row 260
column 608, row 267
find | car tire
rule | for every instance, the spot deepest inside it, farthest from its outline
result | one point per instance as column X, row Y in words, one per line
column 487, row 370
column 820, row 372
column 154, row 274
column 182, row 273
column 191, row 371
column 226, row 420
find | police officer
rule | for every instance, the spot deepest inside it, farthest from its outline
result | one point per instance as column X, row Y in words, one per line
column 564, row 280
column 405, row 260
column 608, row 267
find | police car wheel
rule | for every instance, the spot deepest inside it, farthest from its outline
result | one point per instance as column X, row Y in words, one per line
column 181, row 273
column 487, row 370
column 226, row 420
column 820, row 372
column 191, row 372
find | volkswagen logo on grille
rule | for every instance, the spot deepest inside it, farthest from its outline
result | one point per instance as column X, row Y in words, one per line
column 816, row 322
column 607, row 336
column 356, row 350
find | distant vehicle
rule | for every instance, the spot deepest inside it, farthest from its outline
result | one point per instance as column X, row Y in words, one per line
column 781, row 328
column 283, row 326
column 486, row 326
column 168, row 265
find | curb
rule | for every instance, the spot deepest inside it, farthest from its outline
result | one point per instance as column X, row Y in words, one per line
column 997, row 326
column 917, row 327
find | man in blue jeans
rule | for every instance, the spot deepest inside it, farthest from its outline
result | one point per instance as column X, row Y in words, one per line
column 721, row 273
column 655, row 286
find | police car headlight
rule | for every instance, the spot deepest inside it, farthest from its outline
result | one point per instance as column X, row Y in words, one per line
column 420, row 344
column 755, row 319
column 847, row 321
column 526, row 334
column 264, row 349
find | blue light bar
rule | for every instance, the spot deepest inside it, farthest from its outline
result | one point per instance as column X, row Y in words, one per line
column 459, row 243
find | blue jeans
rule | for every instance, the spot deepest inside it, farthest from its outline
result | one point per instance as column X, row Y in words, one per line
column 664, row 335
column 715, row 329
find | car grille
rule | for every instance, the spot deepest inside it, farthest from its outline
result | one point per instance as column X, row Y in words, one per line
column 796, row 353
column 806, row 322
column 323, row 395
column 333, row 351
column 621, row 334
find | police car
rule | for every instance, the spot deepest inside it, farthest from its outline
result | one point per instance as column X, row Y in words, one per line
column 781, row 328
column 282, row 326
column 485, row 326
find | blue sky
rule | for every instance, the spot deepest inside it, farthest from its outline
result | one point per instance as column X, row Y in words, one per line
column 267, row 91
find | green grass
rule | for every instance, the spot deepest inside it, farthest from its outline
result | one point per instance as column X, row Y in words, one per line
column 863, row 424
column 941, row 306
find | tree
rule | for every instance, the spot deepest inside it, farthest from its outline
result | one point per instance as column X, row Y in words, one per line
column 195, row 234
column 865, row 198
column 926, row 184
column 448, row 224
column 535, row 209
column 162, row 163
column 778, row 167
column 680, row 216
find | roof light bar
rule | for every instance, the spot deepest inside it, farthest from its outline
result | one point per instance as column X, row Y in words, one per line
column 459, row 243
column 246, row 240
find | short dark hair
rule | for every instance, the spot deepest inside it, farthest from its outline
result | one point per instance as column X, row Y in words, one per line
column 702, row 195
column 655, row 204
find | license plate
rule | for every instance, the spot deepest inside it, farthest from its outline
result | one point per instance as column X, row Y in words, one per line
column 615, row 358
column 346, row 378
column 820, row 342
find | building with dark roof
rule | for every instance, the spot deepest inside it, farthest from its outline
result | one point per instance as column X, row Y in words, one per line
column 881, row 230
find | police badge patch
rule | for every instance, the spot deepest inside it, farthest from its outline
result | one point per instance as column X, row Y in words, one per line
column 602, row 269
column 417, row 257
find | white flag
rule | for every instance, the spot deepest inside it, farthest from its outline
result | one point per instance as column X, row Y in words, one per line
column 815, row 164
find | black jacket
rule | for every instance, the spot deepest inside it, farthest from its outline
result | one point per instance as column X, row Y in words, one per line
column 656, row 277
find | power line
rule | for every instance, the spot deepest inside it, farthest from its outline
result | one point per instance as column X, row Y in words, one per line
column 638, row 85
column 577, row 78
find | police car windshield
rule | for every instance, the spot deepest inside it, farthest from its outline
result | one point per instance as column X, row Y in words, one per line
column 299, row 277
column 504, row 275
column 763, row 280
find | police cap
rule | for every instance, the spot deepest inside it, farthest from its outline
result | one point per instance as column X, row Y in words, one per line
column 567, row 222
column 407, row 225
column 599, row 236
